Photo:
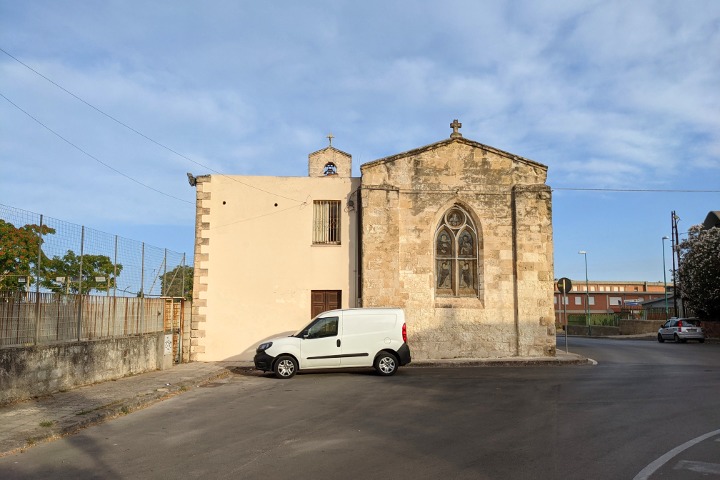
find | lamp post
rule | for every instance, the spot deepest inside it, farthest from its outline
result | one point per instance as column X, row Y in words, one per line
column 587, row 292
column 665, row 276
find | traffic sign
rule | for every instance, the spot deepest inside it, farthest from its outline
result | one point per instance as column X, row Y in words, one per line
column 564, row 285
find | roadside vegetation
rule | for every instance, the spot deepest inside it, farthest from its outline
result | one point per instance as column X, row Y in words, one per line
column 699, row 272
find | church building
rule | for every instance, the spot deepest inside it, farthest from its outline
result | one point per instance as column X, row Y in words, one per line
column 457, row 233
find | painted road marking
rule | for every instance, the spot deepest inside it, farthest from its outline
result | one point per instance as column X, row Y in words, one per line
column 654, row 466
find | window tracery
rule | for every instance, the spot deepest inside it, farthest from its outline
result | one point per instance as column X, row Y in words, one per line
column 456, row 255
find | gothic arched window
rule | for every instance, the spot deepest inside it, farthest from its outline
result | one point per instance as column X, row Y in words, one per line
column 456, row 255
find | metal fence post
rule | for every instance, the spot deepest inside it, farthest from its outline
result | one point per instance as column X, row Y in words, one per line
column 80, row 294
column 37, row 284
column 142, row 289
column 182, row 277
column 163, row 281
column 114, row 300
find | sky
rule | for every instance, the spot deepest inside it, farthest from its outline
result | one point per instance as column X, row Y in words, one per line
column 107, row 105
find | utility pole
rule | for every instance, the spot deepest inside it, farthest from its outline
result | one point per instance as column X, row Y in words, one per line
column 676, row 257
column 665, row 278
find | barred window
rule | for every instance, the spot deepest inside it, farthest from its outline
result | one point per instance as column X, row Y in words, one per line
column 326, row 222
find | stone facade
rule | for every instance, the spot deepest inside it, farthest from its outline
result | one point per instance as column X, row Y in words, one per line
column 330, row 162
column 200, row 275
column 404, row 199
column 457, row 233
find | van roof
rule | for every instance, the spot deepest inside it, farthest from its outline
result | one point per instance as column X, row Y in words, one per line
column 365, row 309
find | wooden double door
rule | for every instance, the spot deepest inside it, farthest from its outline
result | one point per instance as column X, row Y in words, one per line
column 324, row 300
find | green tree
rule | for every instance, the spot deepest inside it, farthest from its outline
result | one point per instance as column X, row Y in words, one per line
column 178, row 282
column 699, row 272
column 19, row 249
column 68, row 266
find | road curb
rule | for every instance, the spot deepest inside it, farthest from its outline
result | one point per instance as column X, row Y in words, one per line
column 502, row 362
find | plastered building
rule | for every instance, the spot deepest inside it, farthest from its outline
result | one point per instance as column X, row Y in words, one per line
column 457, row 233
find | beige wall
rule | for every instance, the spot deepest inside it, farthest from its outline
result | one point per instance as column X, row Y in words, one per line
column 403, row 200
column 255, row 263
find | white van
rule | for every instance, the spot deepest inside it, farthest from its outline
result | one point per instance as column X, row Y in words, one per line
column 357, row 337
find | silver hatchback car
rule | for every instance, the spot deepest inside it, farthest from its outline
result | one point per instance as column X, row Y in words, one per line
column 681, row 330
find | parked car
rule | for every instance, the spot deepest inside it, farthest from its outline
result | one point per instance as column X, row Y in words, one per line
column 681, row 330
column 359, row 337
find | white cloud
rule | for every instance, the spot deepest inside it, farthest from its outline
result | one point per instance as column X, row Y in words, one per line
column 607, row 93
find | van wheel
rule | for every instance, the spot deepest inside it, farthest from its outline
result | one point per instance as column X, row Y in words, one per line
column 660, row 338
column 285, row 367
column 386, row 364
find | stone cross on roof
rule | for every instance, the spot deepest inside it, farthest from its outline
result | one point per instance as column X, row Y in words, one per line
column 455, row 125
column 330, row 137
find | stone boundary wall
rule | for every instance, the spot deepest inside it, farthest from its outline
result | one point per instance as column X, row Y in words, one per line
column 595, row 330
column 637, row 327
column 27, row 372
column 712, row 329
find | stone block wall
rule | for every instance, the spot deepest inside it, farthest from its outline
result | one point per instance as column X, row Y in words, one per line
column 318, row 160
column 532, row 221
column 27, row 372
column 636, row 327
column 593, row 331
column 200, row 278
column 381, row 262
column 404, row 199
column 711, row 328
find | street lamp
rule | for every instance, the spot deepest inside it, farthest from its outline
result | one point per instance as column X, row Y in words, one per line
column 587, row 292
column 665, row 276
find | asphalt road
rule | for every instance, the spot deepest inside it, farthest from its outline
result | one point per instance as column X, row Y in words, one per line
column 620, row 419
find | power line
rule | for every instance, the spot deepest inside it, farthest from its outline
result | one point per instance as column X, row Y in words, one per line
column 636, row 190
column 480, row 191
column 161, row 145
column 137, row 132
column 89, row 154
column 242, row 220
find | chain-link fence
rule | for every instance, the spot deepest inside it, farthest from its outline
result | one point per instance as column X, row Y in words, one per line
column 61, row 282
column 42, row 254
column 31, row 318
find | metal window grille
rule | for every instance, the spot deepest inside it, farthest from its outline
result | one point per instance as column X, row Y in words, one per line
column 326, row 222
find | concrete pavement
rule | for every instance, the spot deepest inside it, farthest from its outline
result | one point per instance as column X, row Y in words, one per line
column 27, row 423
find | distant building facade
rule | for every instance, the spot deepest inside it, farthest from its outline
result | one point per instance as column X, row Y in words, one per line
column 604, row 297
